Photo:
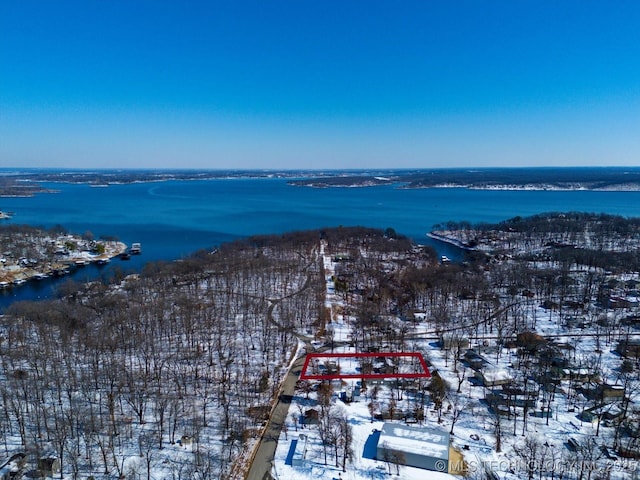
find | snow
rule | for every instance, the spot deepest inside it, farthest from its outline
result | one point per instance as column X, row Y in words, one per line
column 362, row 465
column 474, row 435
column 361, row 468
column 415, row 440
column 464, row 412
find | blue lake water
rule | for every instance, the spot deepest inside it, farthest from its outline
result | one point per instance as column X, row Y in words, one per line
column 174, row 218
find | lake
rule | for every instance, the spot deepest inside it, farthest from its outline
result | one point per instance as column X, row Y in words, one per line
column 174, row 218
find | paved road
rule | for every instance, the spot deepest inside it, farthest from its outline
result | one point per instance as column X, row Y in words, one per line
column 261, row 465
column 260, row 468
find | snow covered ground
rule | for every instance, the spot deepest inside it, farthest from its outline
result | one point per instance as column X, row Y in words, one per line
column 198, row 410
column 467, row 415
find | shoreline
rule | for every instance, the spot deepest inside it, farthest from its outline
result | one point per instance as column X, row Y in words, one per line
column 16, row 275
column 404, row 185
column 29, row 182
column 450, row 241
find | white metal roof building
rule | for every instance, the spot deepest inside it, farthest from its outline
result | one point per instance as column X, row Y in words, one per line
column 414, row 446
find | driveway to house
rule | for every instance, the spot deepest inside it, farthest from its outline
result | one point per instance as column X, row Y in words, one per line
column 261, row 465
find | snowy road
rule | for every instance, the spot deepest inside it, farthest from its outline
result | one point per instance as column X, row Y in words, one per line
column 261, row 465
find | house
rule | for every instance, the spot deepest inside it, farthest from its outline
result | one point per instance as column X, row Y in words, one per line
column 346, row 396
column 393, row 414
column 493, row 377
column 542, row 413
column 12, row 469
column 311, row 417
column 580, row 374
column 622, row 302
column 530, row 341
column 611, row 393
column 632, row 320
column 511, row 398
column 454, row 342
column 48, row 466
column 419, row 316
column 629, row 348
column 602, row 393
column 632, row 284
column 600, row 412
column 474, row 359
column 629, row 451
column 382, row 366
column 575, row 321
column 420, row 447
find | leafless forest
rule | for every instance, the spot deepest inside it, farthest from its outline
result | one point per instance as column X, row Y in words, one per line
column 180, row 364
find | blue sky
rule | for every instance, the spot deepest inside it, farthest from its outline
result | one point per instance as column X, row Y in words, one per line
column 319, row 84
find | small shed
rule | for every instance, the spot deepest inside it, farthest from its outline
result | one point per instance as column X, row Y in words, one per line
column 356, row 393
column 48, row 466
column 420, row 447
column 311, row 417
column 300, row 452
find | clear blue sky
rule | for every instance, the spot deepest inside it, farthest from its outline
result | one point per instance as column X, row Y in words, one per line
column 317, row 84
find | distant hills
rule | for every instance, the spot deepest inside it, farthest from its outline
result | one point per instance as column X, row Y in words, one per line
column 611, row 178
column 16, row 182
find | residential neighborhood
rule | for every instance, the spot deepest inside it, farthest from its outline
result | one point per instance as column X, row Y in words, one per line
column 340, row 353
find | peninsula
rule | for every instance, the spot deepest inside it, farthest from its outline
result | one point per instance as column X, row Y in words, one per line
column 31, row 253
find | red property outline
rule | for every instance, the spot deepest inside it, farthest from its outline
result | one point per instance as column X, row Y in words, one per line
column 364, row 376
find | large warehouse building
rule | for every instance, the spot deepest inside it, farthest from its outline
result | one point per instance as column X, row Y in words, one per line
column 420, row 447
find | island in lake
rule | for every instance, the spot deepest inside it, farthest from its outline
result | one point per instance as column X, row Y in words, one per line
column 614, row 178
column 31, row 182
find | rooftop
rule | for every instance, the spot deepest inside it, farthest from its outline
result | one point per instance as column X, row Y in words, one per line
column 418, row 440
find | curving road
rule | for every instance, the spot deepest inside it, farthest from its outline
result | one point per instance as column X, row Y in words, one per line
column 262, row 461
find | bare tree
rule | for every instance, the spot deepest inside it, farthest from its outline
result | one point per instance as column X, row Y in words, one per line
column 393, row 458
column 529, row 451
column 458, row 404
column 437, row 391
